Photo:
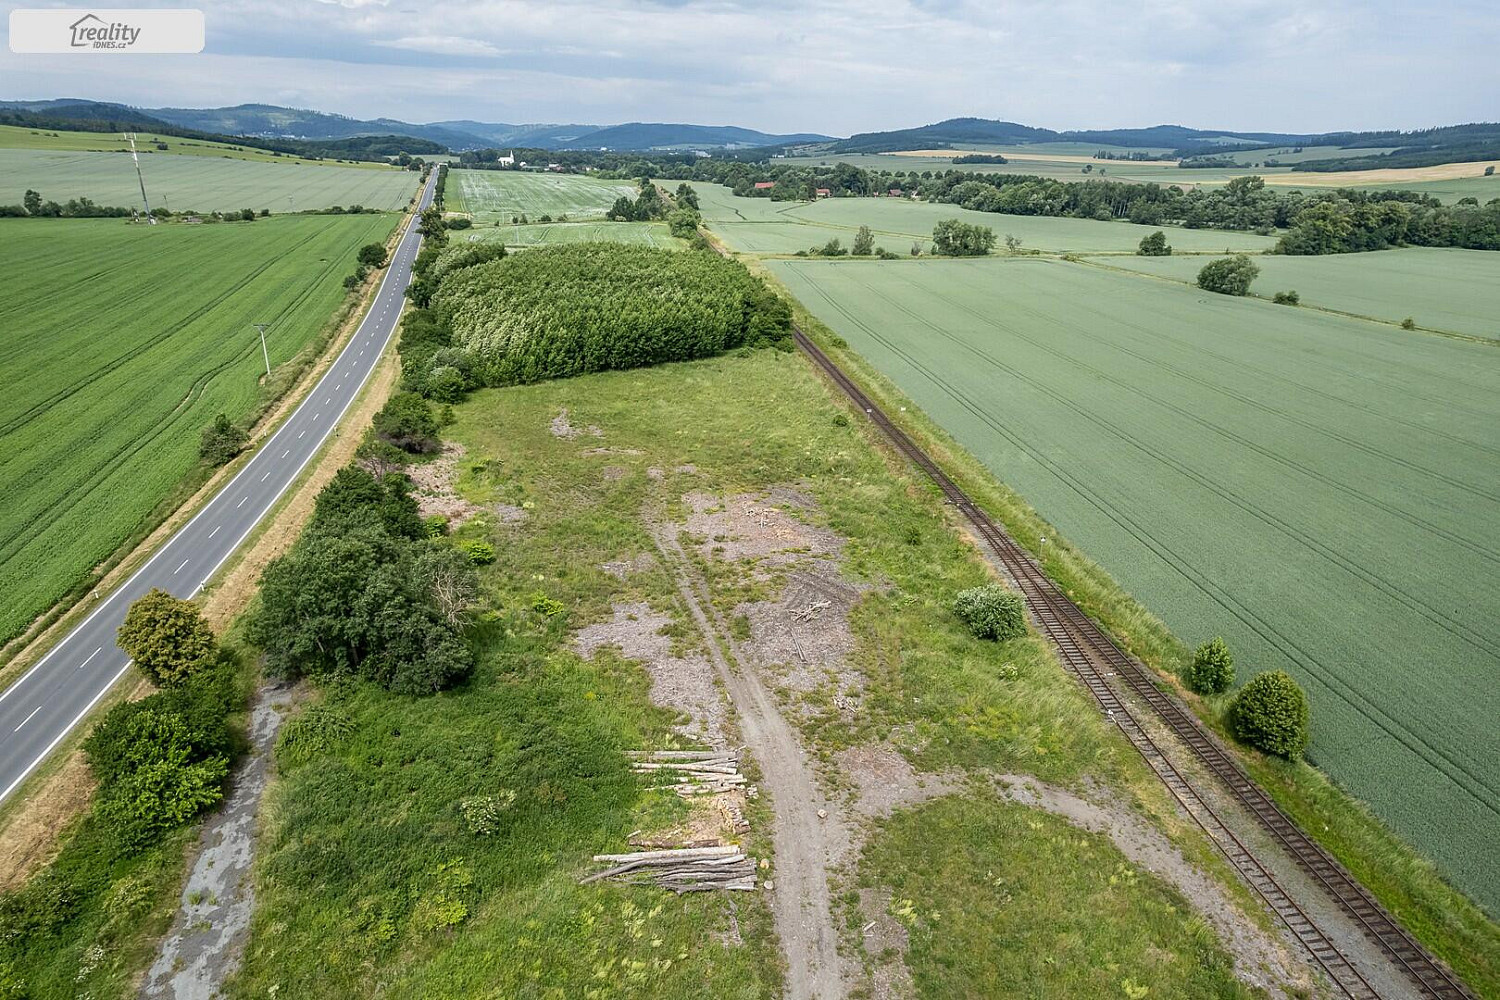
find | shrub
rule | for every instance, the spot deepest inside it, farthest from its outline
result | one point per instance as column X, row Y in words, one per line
column 480, row 553
column 1408, row 323
column 319, row 730
column 435, row 525
column 883, row 254
column 567, row 309
column 1287, row 298
column 864, row 242
column 354, row 498
column 1154, row 245
column 167, row 637
column 372, row 255
column 952, row 238
column 380, row 458
column 1229, row 276
column 160, row 781
column 483, row 813
column 221, row 441
column 1271, row 714
column 1212, row 670
column 991, row 612
column 407, row 421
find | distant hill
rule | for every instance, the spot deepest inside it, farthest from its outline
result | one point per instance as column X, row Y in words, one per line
column 660, row 135
column 275, row 122
column 538, row 136
column 69, row 109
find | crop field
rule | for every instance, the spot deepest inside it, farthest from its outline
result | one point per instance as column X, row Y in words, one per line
column 1324, row 492
column 201, row 183
column 122, row 343
column 18, row 137
column 497, row 195
column 1457, row 291
column 652, row 234
column 759, row 225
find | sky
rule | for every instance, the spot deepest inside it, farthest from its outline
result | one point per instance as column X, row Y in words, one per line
column 830, row 66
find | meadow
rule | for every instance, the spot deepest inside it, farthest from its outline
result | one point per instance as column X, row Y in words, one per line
column 759, row 225
column 651, row 234
column 1455, row 291
column 201, row 183
column 489, row 196
column 122, row 343
column 1319, row 490
column 148, row 144
column 370, row 876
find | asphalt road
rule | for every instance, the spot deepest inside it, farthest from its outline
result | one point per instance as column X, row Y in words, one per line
column 41, row 708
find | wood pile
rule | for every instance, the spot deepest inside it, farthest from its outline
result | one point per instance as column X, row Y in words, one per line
column 690, row 772
column 690, row 869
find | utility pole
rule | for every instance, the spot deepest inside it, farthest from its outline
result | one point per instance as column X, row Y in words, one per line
column 263, row 352
column 150, row 219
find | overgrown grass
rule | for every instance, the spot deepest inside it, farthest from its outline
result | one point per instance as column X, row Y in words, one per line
column 370, row 875
column 1001, row 900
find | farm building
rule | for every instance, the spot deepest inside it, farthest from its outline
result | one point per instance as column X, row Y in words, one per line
column 764, row 185
column 824, row 193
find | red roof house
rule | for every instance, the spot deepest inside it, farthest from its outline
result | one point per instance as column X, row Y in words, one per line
column 764, row 185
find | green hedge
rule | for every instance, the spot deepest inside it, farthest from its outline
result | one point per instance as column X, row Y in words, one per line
column 563, row 310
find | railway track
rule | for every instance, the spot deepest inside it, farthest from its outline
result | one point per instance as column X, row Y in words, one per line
column 1093, row 657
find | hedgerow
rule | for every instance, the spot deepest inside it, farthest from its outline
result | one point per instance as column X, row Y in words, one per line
column 568, row 309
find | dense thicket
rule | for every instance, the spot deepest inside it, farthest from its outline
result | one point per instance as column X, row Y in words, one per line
column 563, row 310
column 363, row 594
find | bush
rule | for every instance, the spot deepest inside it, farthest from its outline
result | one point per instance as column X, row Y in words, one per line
column 161, row 783
column 435, row 525
column 407, row 421
column 167, row 637
column 1155, row 245
column 1271, row 714
column 372, row 255
column 1230, row 276
column 355, row 498
column 883, row 254
column 567, row 309
column 1408, row 323
column 991, row 612
column 864, row 242
column 480, row 553
column 221, row 441
column 319, row 730
column 1287, row 298
column 1212, row 670
column 952, row 238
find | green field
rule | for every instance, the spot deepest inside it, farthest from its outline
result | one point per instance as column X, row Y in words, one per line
column 1324, row 492
column 1457, row 291
column 497, row 195
column 17, row 137
column 759, row 225
column 123, row 343
column 201, row 183
column 652, row 234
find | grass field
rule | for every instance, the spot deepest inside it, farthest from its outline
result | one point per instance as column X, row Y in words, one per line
column 18, row 137
column 497, row 195
column 364, row 844
column 1321, row 491
column 1457, row 291
column 124, row 342
column 201, row 183
column 645, row 233
column 759, row 225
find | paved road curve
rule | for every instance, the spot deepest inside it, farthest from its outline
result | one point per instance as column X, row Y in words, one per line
column 49, row 700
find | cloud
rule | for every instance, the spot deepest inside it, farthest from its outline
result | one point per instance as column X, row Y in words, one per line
column 836, row 66
column 450, row 45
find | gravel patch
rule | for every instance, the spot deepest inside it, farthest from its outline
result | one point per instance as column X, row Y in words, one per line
column 432, row 485
column 622, row 568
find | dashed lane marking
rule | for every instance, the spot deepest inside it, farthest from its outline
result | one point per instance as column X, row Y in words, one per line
column 27, row 719
column 91, row 656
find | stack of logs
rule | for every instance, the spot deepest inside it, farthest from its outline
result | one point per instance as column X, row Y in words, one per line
column 690, row 772
column 689, row 869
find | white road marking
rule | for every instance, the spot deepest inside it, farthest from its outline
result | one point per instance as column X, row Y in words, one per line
column 317, row 415
column 286, row 453
column 338, row 387
column 91, row 656
column 242, row 502
column 266, row 476
column 328, row 400
column 299, row 435
column 215, row 531
column 27, row 719
column 179, row 568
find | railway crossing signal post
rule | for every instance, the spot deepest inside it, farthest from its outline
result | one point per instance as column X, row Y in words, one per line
column 263, row 352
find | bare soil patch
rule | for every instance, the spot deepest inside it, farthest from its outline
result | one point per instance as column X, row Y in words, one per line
column 757, row 527
column 562, row 428
column 623, row 568
column 433, row 486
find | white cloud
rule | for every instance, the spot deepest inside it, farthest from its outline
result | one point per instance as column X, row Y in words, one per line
column 447, row 45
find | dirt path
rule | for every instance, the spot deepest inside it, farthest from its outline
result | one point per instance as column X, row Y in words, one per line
column 208, row 936
column 808, row 832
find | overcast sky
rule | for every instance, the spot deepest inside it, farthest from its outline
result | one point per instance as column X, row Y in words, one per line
column 831, row 66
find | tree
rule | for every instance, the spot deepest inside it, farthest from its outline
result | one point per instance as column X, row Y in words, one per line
column 32, row 201
column 221, row 441
column 1012, row 243
column 991, row 612
column 160, row 783
column 1212, row 671
column 1154, row 245
column 407, row 421
column 1287, row 298
column 1228, row 276
column 354, row 497
column 952, row 238
column 447, row 574
column 380, row 457
column 167, row 637
column 686, row 196
column 683, row 223
column 864, row 242
column 372, row 255
column 1271, row 714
